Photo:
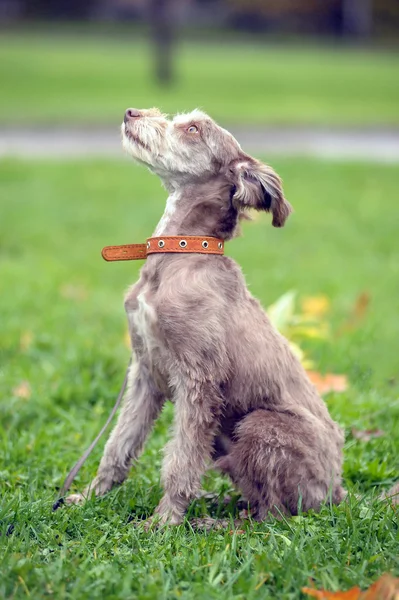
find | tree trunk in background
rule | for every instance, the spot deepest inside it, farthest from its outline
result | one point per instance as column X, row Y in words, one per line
column 161, row 16
column 357, row 18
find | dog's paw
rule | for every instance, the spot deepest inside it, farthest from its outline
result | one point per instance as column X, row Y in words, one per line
column 208, row 524
column 157, row 522
column 75, row 499
column 151, row 524
column 162, row 519
column 167, row 513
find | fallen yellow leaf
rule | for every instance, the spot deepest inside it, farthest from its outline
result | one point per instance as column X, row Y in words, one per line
column 361, row 305
column 357, row 314
column 385, row 588
column 22, row 390
column 328, row 382
column 25, row 340
column 315, row 306
column 282, row 311
column 319, row 331
column 366, row 434
column 352, row 594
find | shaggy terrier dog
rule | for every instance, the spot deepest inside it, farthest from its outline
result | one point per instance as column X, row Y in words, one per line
column 243, row 401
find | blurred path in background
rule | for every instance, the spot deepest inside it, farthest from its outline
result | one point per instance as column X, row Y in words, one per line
column 376, row 144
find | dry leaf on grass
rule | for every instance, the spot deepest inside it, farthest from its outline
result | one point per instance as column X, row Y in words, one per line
column 366, row 434
column 357, row 314
column 328, row 382
column 25, row 340
column 297, row 326
column 22, row 390
column 315, row 306
column 282, row 311
column 353, row 594
column 385, row 588
column 361, row 306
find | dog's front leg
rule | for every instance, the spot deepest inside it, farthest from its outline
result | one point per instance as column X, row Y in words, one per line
column 142, row 404
column 197, row 409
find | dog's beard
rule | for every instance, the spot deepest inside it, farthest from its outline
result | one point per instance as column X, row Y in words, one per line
column 134, row 145
column 134, row 138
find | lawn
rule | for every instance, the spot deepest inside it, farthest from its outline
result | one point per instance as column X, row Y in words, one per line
column 63, row 355
column 62, row 77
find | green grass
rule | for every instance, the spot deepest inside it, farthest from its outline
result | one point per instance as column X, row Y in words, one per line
column 61, row 77
column 62, row 330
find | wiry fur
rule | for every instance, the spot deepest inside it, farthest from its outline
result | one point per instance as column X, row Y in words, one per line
column 241, row 397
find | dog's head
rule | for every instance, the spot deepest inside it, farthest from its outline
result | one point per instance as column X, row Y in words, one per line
column 192, row 148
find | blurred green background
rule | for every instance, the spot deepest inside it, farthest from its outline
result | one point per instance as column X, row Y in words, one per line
column 314, row 70
column 74, row 77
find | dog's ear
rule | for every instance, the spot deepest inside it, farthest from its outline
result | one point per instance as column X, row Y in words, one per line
column 258, row 186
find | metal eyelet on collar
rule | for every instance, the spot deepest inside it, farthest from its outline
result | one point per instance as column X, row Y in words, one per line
column 161, row 243
column 220, row 245
column 182, row 243
column 148, row 244
column 205, row 244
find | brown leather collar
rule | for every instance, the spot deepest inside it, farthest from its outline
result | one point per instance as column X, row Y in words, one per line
column 168, row 243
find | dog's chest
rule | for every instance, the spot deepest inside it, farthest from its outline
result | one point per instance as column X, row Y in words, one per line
column 142, row 318
column 144, row 333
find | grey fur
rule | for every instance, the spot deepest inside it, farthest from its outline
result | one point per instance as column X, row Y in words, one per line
column 242, row 399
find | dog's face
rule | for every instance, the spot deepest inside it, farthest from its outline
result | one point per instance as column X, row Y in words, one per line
column 192, row 148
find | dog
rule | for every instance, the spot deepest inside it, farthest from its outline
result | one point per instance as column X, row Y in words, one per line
column 243, row 402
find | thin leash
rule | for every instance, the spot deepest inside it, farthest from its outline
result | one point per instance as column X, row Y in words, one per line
column 76, row 468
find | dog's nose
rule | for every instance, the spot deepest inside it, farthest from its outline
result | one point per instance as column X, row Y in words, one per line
column 131, row 113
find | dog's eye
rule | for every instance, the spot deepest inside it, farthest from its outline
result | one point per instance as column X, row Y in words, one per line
column 192, row 129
